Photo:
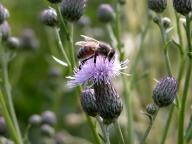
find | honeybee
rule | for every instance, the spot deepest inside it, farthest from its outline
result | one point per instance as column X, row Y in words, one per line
column 91, row 48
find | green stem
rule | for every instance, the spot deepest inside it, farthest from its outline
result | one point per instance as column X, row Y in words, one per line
column 118, row 129
column 186, row 85
column 61, row 47
column 179, row 33
column 167, row 125
column 179, row 77
column 8, row 120
column 188, row 134
column 93, row 129
column 64, row 25
column 164, row 40
column 118, row 31
column 71, row 46
column 152, row 119
column 112, row 35
column 104, row 130
column 7, row 88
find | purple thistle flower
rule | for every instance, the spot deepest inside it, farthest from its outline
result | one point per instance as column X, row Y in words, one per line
column 103, row 70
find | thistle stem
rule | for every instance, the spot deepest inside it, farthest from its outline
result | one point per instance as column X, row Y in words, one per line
column 118, row 31
column 8, row 120
column 7, row 88
column 64, row 25
column 93, row 129
column 104, row 130
column 147, row 131
column 179, row 77
column 118, row 129
column 164, row 40
column 186, row 85
column 71, row 46
column 61, row 47
column 188, row 134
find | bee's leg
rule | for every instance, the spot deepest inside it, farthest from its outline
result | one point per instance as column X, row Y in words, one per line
column 84, row 61
column 95, row 58
column 111, row 54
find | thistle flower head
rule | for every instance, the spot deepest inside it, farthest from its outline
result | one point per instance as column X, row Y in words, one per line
column 182, row 6
column 165, row 91
column 102, row 70
column 72, row 10
column 157, row 5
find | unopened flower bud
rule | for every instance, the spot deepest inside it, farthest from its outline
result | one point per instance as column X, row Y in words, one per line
column 88, row 102
column 151, row 109
column 4, row 13
column 72, row 10
column 48, row 117
column 84, row 21
column 54, row 1
column 156, row 20
column 166, row 22
column 2, row 126
column 35, row 120
column 28, row 40
column 49, row 17
column 157, row 5
column 13, row 43
column 109, row 103
column 165, row 91
column 182, row 6
column 47, row 130
column 105, row 13
column 5, row 30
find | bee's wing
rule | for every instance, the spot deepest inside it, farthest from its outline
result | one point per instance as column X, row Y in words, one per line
column 89, row 38
column 81, row 43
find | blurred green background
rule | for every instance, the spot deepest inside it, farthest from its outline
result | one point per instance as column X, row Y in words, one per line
column 35, row 89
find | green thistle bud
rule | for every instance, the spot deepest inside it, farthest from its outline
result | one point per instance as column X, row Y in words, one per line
column 165, row 91
column 5, row 31
column 49, row 17
column 157, row 5
column 4, row 13
column 72, row 10
column 48, row 117
column 109, row 103
column 13, row 43
column 28, row 40
column 151, row 109
column 166, row 22
column 182, row 6
column 54, row 1
column 88, row 102
column 105, row 13
column 35, row 120
column 47, row 130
